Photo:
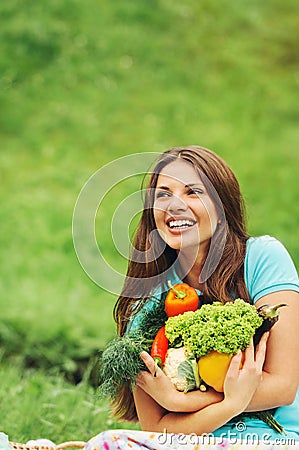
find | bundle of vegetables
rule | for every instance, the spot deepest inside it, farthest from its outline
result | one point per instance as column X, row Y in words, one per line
column 212, row 335
column 193, row 346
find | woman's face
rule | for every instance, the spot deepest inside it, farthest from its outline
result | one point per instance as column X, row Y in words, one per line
column 184, row 213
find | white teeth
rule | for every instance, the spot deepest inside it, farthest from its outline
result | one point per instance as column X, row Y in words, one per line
column 180, row 223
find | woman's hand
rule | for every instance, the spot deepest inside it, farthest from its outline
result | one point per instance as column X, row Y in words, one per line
column 156, row 384
column 242, row 381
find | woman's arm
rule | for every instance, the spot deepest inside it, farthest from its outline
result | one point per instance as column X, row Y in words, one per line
column 281, row 369
column 239, row 386
column 153, row 417
column 162, row 390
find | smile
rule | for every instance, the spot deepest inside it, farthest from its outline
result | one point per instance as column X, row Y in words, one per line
column 180, row 224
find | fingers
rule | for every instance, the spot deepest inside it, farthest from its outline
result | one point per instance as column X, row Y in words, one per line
column 144, row 377
column 150, row 363
column 234, row 366
column 261, row 351
column 253, row 357
column 249, row 354
column 141, row 379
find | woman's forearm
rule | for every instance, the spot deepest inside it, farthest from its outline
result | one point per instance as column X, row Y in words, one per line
column 195, row 400
column 153, row 417
column 204, row 421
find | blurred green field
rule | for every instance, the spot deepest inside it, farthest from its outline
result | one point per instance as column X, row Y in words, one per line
column 83, row 83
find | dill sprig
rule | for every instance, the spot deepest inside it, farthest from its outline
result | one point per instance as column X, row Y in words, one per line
column 120, row 362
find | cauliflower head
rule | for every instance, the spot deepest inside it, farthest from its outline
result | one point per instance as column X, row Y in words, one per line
column 174, row 357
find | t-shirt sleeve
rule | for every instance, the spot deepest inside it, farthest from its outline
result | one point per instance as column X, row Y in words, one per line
column 268, row 268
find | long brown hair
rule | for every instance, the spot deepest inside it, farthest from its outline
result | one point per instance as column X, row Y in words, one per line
column 227, row 279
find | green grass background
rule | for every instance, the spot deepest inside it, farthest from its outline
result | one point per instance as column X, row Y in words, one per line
column 83, row 83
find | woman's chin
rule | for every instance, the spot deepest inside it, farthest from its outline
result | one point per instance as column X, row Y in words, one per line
column 182, row 244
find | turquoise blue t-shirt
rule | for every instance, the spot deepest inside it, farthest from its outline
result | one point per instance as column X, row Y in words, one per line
column 268, row 268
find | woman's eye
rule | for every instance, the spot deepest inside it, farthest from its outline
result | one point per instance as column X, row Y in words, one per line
column 195, row 191
column 162, row 194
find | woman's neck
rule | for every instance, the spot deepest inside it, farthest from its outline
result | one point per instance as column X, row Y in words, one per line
column 191, row 268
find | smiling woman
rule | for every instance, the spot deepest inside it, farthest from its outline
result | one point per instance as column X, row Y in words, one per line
column 194, row 223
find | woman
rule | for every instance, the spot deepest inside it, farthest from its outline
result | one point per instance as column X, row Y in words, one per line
column 193, row 230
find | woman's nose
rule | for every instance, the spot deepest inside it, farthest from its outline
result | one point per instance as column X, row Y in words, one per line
column 176, row 204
